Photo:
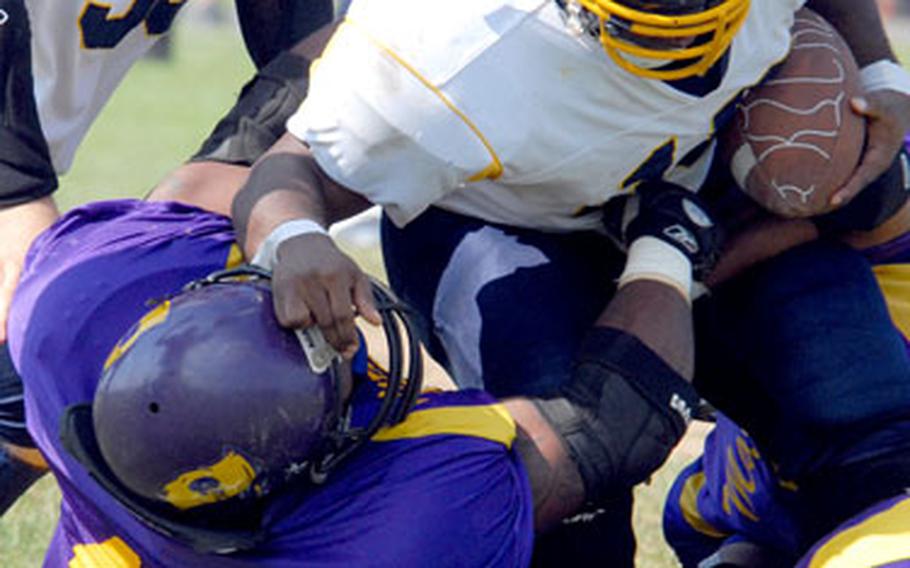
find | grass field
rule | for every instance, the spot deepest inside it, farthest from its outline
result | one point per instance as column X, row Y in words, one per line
column 154, row 122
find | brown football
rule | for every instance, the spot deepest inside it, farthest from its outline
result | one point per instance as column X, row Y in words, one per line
column 794, row 139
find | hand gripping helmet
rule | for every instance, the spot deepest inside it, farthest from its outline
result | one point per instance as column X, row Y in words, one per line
column 639, row 33
column 207, row 405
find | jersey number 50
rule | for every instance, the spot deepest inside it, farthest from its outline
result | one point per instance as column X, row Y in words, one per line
column 102, row 30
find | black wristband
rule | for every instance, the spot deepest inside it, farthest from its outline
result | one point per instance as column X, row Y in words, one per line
column 874, row 204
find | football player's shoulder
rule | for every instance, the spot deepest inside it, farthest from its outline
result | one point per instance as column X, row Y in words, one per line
column 878, row 536
column 439, row 39
column 467, row 413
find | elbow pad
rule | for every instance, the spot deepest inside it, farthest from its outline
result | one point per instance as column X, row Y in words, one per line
column 621, row 413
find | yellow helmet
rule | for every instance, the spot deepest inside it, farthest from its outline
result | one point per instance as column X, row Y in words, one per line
column 640, row 35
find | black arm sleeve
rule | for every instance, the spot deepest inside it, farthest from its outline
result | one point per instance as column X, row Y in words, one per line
column 26, row 172
column 875, row 204
column 257, row 120
column 272, row 26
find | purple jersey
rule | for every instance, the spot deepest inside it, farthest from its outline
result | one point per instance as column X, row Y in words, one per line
column 878, row 537
column 730, row 493
column 442, row 488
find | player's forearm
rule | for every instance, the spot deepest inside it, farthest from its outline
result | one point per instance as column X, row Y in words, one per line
column 763, row 239
column 19, row 225
column 860, row 23
column 556, row 486
column 209, row 185
column 659, row 317
column 284, row 185
column 770, row 236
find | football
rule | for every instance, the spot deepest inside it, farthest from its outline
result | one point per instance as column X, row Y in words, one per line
column 794, row 138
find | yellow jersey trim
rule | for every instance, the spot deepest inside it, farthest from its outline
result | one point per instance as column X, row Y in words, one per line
column 490, row 422
column 112, row 553
column 894, row 280
column 154, row 317
column 494, row 169
column 877, row 541
column 688, row 504
column 235, row 257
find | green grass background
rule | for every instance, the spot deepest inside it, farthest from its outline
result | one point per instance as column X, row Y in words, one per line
column 155, row 120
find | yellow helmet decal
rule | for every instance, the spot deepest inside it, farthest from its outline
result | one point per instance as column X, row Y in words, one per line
column 719, row 24
column 148, row 321
column 231, row 476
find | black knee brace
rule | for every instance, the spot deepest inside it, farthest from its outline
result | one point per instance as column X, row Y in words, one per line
column 622, row 412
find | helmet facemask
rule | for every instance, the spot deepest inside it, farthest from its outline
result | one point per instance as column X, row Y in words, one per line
column 661, row 40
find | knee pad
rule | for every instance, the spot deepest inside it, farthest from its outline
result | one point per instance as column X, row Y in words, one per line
column 621, row 413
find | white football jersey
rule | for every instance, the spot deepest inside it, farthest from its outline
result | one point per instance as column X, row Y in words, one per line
column 496, row 109
column 81, row 50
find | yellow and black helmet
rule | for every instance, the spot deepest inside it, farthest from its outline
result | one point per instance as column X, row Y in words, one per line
column 665, row 39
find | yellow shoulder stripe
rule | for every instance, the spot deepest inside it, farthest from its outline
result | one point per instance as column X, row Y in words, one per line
column 153, row 317
column 894, row 280
column 235, row 257
column 491, row 171
column 877, row 541
column 490, row 422
column 112, row 553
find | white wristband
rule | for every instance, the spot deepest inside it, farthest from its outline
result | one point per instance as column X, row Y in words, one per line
column 652, row 259
column 266, row 255
column 885, row 75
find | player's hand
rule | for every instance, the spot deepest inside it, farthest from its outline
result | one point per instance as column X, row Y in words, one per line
column 670, row 213
column 314, row 283
column 887, row 115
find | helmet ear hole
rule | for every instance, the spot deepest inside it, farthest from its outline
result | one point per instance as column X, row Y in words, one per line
column 208, row 400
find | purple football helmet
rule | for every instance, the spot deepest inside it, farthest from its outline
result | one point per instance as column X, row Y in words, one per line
column 208, row 404
column 207, row 398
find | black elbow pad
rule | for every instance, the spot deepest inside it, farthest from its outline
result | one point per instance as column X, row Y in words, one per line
column 621, row 414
